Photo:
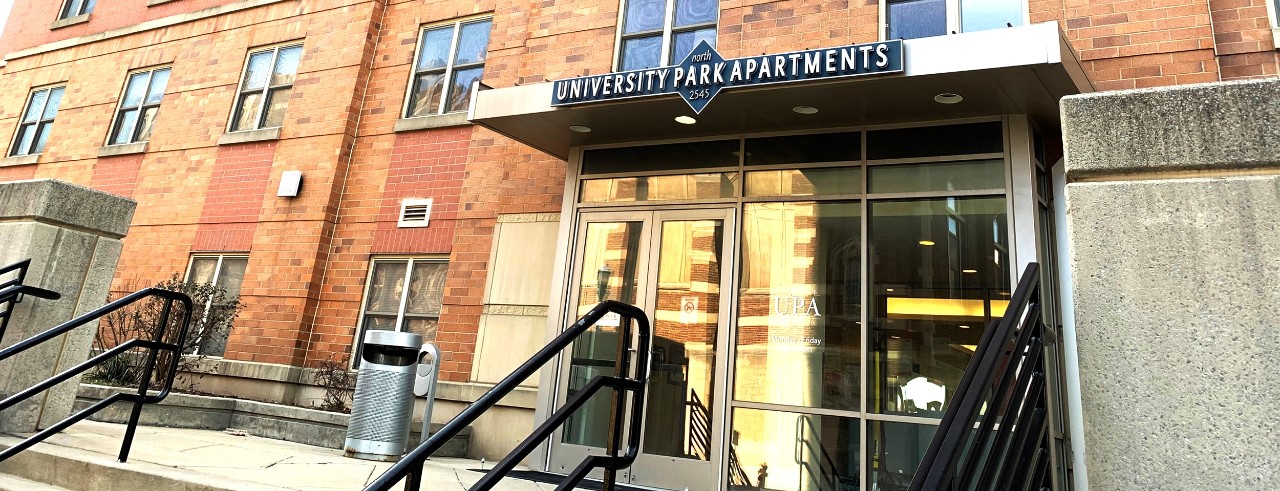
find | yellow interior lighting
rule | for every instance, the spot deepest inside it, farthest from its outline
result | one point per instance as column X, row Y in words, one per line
column 904, row 307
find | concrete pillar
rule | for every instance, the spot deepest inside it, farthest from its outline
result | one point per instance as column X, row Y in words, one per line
column 73, row 237
column 1173, row 216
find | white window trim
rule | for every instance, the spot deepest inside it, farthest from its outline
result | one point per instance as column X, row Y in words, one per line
column 404, row 295
column 13, row 141
column 448, row 67
column 235, row 101
column 115, row 116
column 1274, row 18
column 668, row 32
column 953, row 17
column 217, row 270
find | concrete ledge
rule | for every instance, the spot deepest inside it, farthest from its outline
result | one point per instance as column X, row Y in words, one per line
column 125, row 149
column 235, row 137
column 1190, row 128
column 70, row 21
column 153, row 3
column 20, row 160
column 436, row 121
column 73, row 206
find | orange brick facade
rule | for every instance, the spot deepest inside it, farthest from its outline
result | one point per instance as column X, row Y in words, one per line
column 309, row 256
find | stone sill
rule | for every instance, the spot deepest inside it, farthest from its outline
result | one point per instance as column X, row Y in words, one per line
column 70, row 21
column 428, row 122
column 20, row 160
column 125, row 149
column 153, row 3
column 265, row 134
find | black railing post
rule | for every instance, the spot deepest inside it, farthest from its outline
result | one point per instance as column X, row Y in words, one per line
column 131, row 428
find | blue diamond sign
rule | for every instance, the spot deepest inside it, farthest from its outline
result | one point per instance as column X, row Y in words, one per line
column 704, row 73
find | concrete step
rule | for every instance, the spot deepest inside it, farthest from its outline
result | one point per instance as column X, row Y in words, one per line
column 14, row 483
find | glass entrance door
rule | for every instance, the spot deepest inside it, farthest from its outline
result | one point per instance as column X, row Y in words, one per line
column 674, row 265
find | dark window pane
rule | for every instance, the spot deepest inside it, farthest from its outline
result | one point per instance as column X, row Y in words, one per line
column 805, row 149
column 159, row 80
column 259, row 71
column 435, row 48
column 799, row 337
column 135, row 90
column 42, row 136
column 286, row 66
column 804, row 182
column 473, row 43
column 660, row 188
column 146, row 124
column 35, row 106
column 460, row 89
column 794, row 452
column 898, row 448
column 935, row 141
column 696, row 155
column 125, row 125
column 696, row 11
column 684, row 42
column 644, row 15
column 277, row 100
column 425, row 98
column 977, row 15
column 26, row 135
column 939, row 274
column 247, row 115
column 72, row 9
column 55, row 101
column 910, row 19
column 941, row 176
column 642, row 52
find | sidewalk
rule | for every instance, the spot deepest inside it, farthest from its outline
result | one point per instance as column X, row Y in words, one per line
column 239, row 462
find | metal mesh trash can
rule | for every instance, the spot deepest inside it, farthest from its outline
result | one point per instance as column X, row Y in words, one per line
column 381, row 409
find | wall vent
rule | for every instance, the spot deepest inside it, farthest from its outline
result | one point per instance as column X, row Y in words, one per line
column 415, row 212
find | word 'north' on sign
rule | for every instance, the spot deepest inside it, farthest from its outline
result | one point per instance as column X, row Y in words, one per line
column 703, row 73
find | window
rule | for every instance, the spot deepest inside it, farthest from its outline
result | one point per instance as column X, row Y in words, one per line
column 138, row 107
column 265, row 89
column 662, row 32
column 390, row 306
column 37, row 120
column 73, row 8
column 452, row 52
column 221, row 271
column 910, row 19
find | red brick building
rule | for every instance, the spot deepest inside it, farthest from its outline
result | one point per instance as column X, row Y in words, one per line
column 199, row 109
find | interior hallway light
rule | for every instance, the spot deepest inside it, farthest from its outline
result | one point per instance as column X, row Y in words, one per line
column 685, row 120
column 926, row 242
column 970, row 271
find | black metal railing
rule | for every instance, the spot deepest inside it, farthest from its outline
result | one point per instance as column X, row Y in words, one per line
column 12, row 291
column 995, row 435
column 409, row 468
column 154, row 347
column 824, row 470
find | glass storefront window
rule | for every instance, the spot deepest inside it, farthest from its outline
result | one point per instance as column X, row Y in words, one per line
column 804, row 182
column 947, row 176
column 785, row 451
column 896, row 450
column 799, row 337
column 804, row 149
column 939, row 274
column 660, row 188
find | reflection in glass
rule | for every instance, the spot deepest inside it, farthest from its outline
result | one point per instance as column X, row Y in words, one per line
column 786, row 451
column 896, row 451
column 425, row 98
column 641, row 52
column 911, row 19
column 133, row 92
column 286, row 66
column 259, row 71
column 684, row 42
column 147, row 123
column 939, row 273
column 159, row 80
column 247, row 111
column 644, row 15
column 799, row 313
column 678, row 417
column 989, row 14
column 690, row 12
column 951, row 176
column 434, row 52
column 125, row 126
column 610, row 264
column 277, row 100
column 804, row 182
column 660, row 188
column 460, row 92
column 473, row 43
column 55, row 101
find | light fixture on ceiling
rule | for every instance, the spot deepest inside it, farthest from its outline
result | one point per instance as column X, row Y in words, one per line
column 805, row 110
column 685, row 120
column 964, row 327
column 948, row 98
column 580, row 128
column 970, row 271
column 888, row 289
column 926, row 242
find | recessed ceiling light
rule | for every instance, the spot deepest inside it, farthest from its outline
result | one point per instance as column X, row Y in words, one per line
column 926, row 242
column 685, row 120
column 888, row 289
column 948, row 98
column 964, row 327
column 805, row 110
column 971, row 271
column 580, row 128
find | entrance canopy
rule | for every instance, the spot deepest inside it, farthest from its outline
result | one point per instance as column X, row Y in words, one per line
column 1018, row 70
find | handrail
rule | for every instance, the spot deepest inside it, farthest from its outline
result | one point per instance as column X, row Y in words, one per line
column 155, row 345
column 1006, row 376
column 826, row 479
column 12, row 291
column 409, row 468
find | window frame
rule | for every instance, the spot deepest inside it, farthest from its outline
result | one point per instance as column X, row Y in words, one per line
column 669, row 31
column 1273, row 16
column 402, row 305
column 86, row 7
column 217, row 273
column 953, row 17
column 39, row 121
column 141, row 107
column 267, row 88
column 449, row 66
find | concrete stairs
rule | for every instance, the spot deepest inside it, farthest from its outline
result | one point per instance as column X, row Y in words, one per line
column 11, row 483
